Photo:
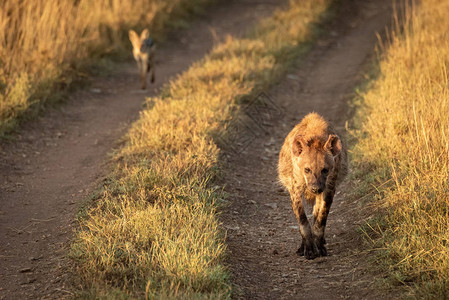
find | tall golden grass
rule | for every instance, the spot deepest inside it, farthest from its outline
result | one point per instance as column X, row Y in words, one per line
column 153, row 230
column 404, row 145
column 44, row 44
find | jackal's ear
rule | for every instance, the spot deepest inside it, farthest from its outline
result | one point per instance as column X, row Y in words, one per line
column 145, row 34
column 298, row 145
column 134, row 38
column 333, row 144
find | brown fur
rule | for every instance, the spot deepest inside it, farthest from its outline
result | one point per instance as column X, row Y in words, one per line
column 312, row 162
column 144, row 56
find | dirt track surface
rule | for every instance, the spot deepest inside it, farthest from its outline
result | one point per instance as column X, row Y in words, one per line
column 59, row 159
column 263, row 234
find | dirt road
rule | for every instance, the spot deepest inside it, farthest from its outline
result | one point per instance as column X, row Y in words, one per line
column 59, row 159
column 263, row 234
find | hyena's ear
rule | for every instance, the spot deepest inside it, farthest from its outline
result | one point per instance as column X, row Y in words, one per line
column 134, row 38
column 333, row 144
column 298, row 145
column 145, row 34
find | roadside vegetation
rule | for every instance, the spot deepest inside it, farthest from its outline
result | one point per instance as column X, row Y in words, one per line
column 152, row 229
column 46, row 45
column 402, row 152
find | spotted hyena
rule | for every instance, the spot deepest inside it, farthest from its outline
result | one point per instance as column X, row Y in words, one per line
column 312, row 162
column 143, row 52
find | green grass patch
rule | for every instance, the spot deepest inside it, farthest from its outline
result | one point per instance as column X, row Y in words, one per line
column 153, row 230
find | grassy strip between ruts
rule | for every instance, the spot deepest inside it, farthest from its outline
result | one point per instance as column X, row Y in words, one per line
column 46, row 45
column 153, row 230
column 403, row 152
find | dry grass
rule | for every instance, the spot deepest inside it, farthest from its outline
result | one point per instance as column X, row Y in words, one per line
column 45, row 44
column 153, row 229
column 404, row 145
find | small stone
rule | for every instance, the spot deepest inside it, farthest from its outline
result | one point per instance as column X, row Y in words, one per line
column 32, row 258
column 272, row 205
column 25, row 270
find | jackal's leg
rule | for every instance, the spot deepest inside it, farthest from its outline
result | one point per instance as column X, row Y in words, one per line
column 142, row 72
column 320, row 212
column 307, row 248
column 152, row 74
column 151, row 68
column 143, row 77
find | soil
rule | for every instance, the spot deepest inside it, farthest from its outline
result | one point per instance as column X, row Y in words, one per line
column 57, row 161
column 262, row 232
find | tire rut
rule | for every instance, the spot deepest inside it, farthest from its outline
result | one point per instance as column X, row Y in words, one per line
column 262, row 232
column 60, row 159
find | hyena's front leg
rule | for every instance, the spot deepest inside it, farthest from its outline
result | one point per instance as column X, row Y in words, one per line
column 320, row 212
column 308, row 247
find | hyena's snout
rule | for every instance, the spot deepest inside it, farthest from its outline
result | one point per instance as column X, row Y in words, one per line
column 316, row 189
column 316, row 184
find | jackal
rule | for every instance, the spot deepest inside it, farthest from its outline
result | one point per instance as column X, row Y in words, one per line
column 312, row 162
column 143, row 51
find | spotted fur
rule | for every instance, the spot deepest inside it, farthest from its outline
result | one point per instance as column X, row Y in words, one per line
column 312, row 163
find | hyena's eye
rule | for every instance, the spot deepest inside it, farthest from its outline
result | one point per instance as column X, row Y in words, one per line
column 307, row 170
column 325, row 171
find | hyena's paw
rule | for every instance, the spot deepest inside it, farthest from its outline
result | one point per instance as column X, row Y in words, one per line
column 320, row 244
column 309, row 251
column 322, row 250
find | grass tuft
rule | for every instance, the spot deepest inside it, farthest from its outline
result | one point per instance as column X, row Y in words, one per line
column 404, row 143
